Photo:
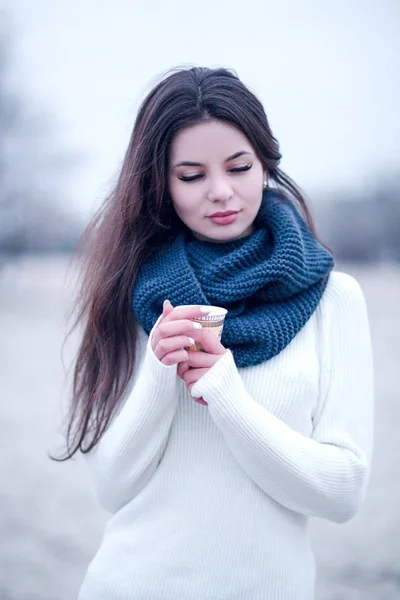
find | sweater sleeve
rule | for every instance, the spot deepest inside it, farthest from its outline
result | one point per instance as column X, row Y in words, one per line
column 326, row 474
column 128, row 453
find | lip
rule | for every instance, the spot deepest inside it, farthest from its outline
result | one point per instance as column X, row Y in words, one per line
column 225, row 220
column 224, row 214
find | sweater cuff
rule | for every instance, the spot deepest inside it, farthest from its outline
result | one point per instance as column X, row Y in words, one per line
column 222, row 384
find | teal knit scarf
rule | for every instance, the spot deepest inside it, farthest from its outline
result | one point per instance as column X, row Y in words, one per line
column 270, row 282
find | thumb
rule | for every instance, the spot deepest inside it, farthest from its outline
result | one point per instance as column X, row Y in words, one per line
column 167, row 308
column 210, row 342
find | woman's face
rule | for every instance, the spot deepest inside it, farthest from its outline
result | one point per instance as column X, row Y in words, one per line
column 214, row 168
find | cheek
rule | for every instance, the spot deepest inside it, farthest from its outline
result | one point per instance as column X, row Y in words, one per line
column 183, row 199
column 250, row 189
column 176, row 197
column 257, row 184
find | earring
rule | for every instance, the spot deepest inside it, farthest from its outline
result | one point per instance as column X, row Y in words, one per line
column 265, row 184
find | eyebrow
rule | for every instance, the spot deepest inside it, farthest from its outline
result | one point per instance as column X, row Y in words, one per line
column 188, row 163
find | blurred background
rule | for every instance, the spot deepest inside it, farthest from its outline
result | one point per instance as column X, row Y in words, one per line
column 72, row 76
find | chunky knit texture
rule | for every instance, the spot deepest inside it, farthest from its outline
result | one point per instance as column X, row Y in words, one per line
column 212, row 502
column 270, row 282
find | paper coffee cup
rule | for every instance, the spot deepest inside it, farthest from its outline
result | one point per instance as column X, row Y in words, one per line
column 214, row 321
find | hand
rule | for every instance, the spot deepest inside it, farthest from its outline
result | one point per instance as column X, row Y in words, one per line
column 174, row 332
column 198, row 363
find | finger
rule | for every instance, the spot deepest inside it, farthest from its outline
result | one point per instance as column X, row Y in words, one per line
column 184, row 327
column 185, row 312
column 193, row 375
column 173, row 344
column 172, row 358
column 167, row 308
column 209, row 341
column 201, row 401
column 182, row 368
column 201, row 360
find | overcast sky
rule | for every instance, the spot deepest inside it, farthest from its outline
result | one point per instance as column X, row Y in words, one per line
column 327, row 72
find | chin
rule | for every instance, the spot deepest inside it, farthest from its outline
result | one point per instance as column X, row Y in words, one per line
column 225, row 236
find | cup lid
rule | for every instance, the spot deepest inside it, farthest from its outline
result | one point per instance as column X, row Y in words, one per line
column 216, row 312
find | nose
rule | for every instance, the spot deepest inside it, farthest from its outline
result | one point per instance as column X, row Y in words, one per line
column 220, row 190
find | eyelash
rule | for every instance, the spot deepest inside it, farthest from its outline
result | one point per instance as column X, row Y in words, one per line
column 196, row 177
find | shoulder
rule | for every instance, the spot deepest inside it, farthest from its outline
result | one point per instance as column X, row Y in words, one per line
column 342, row 300
column 342, row 287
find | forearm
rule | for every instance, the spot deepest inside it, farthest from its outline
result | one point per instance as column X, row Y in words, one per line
column 129, row 451
column 307, row 476
column 326, row 474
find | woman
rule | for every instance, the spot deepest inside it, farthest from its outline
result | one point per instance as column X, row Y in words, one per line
column 210, row 463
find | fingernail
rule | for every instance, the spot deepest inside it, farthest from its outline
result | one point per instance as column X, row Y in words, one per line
column 165, row 304
column 197, row 325
column 205, row 309
column 191, row 341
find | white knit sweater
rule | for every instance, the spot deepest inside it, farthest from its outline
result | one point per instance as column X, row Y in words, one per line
column 212, row 502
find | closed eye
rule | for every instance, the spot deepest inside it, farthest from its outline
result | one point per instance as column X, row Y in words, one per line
column 241, row 169
column 194, row 178
column 199, row 176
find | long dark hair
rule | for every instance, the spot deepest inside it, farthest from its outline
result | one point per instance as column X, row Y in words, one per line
column 137, row 219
